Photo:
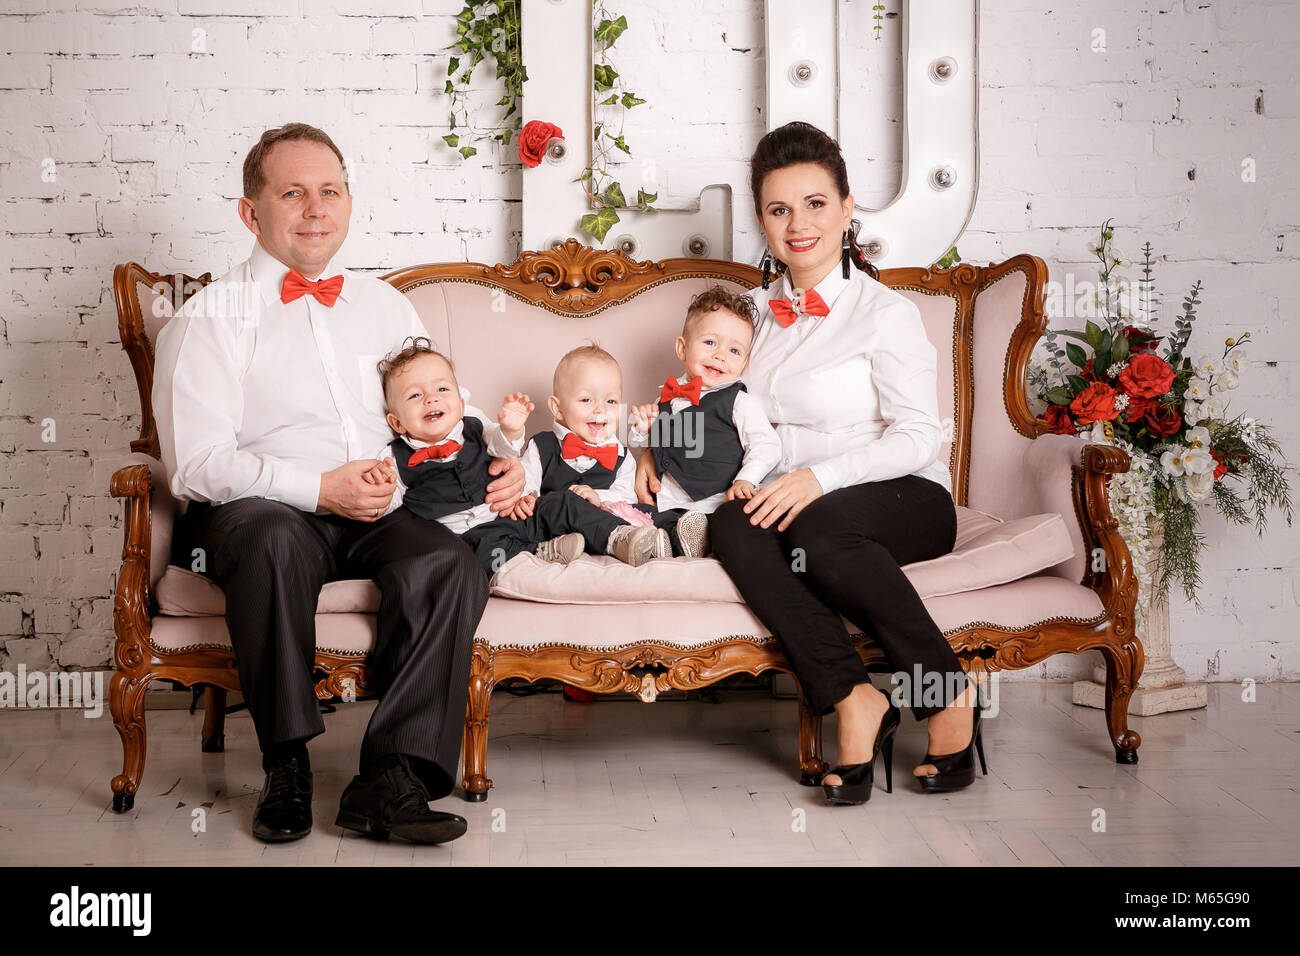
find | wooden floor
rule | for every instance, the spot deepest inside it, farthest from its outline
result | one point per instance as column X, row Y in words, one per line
column 688, row 782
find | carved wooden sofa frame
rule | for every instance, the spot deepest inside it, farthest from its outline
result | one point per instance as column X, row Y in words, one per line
column 577, row 281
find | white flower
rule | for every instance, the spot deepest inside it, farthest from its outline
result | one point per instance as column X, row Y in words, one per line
column 1198, row 390
column 1115, row 369
column 1098, row 433
column 1197, row 436
column 1236, row 362
column 1199, row 485
column 1198, row 461
column 1194, row 412
column 1228, row 379
column 1172, row 461
column 1212, row 408
column 1208, row 366
column 1121, row 402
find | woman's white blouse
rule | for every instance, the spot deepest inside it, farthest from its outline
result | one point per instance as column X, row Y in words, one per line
column 854, row 394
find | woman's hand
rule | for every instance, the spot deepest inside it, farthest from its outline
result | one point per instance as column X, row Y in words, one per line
column 503, row 493
column 647, row 478
column 787, row 495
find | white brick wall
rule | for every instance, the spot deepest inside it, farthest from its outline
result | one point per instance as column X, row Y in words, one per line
column 148, row 136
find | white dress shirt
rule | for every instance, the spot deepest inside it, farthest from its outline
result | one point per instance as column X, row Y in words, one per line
column 623, row 488
column 758, row 438
column 257, row 398
column 498, row 446
column 853, row 394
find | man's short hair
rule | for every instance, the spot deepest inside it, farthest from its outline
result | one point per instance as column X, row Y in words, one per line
column 412, row 348
column 254, row 179
column 581, row 354
column 719, row 297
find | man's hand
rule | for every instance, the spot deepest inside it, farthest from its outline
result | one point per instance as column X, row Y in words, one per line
column 503, row 494
column 587, row 493
column 740, row 489
column 524, row 509
column 641, row 417
column 647, row 478
column 514, row 415
column 787, row 495
column 383, row 472
column 347, row 492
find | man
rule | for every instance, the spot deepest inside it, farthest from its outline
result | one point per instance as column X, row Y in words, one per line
column 267, row 396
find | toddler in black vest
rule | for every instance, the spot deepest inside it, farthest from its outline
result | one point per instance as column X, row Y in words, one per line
column 710, row 439
column 442, row 452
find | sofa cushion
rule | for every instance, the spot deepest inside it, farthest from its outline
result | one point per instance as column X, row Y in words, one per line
column 988, row 552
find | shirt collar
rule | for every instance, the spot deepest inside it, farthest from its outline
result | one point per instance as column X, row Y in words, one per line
column 561, row 431
column 269, row 272
column 829, row 288
column 456, row 434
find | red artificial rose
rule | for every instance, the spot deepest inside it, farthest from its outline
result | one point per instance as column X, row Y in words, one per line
column 1162, row 420
column 1058, row 420
column 1220, row 469
column 1139, row 340
column 533, row 139
column 1137, row 407
column 1147, row 376
column 1096, row 403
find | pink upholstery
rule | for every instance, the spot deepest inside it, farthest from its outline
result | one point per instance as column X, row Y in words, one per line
column 939, row 316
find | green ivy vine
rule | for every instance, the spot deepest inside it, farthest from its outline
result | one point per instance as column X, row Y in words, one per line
column 483, row 27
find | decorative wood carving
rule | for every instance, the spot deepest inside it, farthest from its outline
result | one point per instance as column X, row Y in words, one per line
column 576, row 281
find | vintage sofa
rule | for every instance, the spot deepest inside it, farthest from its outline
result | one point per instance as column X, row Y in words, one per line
column 1039, row 567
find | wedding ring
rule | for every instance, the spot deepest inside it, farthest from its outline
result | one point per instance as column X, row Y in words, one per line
column 376, row 512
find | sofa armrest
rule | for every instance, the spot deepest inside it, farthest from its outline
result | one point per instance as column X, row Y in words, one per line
column 131, row 602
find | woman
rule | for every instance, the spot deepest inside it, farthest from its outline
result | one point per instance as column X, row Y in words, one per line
column 848, row 378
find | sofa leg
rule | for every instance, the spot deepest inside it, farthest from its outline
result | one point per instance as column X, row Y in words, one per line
column 811, row 766
column 126, row 703
column 1123, row 669
column 214, row 720
column 481, row 681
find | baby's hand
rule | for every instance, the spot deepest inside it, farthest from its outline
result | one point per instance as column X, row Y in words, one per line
column 586, row 493
column 740, row 489
column 523, row 508
column 514, row 414
column 641, row 417
column 381, row 474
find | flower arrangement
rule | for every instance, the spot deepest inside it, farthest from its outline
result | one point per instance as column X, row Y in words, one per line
column 1122, row 383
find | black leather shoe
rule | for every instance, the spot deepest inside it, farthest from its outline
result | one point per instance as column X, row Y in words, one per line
column 392, row 801
column 956, row 770
column 857, row 779
column 284, row 808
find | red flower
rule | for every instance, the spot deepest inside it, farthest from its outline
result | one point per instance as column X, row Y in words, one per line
column 533, row 139
column 1058, row 420
column 1220, row 469
column 1096, row 403
column 1139, row 340
column 1137, row 407
column 1162, row 420
column 1088, row 373
column 1147, row 376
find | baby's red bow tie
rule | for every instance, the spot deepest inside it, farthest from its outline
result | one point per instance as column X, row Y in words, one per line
column 433, row 452
column 672, row 389
column 575, row 447
column 296, row 285
column 784, row 311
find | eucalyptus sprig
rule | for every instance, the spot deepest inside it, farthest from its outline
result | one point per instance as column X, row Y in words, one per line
column 610, row 95
column 483, row 27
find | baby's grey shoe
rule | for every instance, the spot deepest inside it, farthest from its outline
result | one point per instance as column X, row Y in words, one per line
column 563, row 549
column 693, row 534
column 635, row 545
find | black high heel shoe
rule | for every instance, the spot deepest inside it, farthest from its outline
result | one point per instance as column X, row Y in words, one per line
column 957, row 770
column 856, row 780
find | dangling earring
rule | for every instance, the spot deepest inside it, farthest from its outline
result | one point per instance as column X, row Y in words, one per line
column 767, row 267
column 844, row 256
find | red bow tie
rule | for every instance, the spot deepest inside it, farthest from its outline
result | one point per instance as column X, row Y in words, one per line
column 433, row 452
column 783, row 309
column 296, row 286
column 575, row 447
column 673, row 390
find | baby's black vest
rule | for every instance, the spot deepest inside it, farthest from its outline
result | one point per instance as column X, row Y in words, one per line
column 717, row 444
column 558, row 474
column 436, row 488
